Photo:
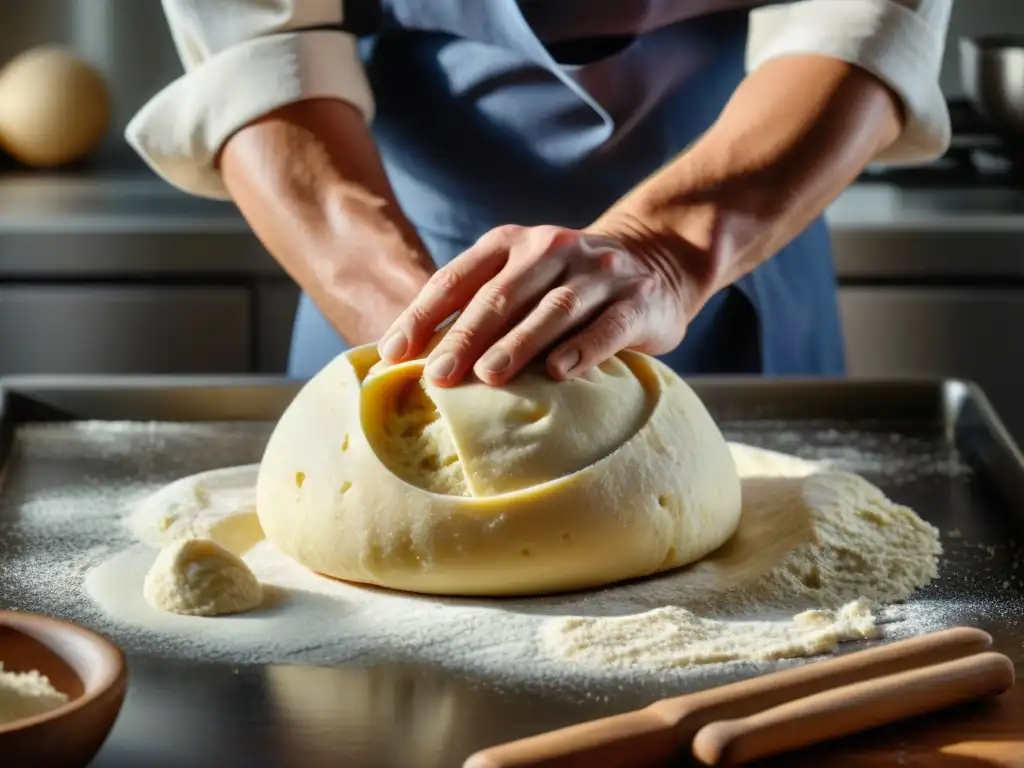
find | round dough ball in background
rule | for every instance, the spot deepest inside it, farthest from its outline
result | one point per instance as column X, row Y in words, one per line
column 54, row 107
column 373, row 475
column 199, row 577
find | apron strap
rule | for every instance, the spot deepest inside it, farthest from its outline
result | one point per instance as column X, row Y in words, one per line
column 362, row 18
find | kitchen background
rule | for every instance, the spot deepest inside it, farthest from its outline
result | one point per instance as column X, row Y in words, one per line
column 106, row 269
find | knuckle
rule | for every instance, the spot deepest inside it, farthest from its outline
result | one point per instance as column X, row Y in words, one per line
column 458, row 339
column 445, row 280
column 610, row 260
column 623, row 319
column 564, row 301
column 516, row 343
column 417, row 315
column 495, row 298
column 548, row 236
column 503, row 234
column 646, row 285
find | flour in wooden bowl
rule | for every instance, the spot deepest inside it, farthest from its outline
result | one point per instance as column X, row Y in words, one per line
column 27, row 694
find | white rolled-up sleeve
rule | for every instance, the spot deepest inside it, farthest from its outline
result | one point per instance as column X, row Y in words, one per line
column 243, row 59
column 899, row 41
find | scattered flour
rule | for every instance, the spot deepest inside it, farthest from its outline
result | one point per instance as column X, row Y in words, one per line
column 27, row 694
column 824, row 542
column 899, row 458
column 675, row 637
column 829, row 540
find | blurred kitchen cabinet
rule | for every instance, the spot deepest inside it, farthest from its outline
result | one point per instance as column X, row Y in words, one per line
column 124, row 329
column 276, row 302
column 967, row 333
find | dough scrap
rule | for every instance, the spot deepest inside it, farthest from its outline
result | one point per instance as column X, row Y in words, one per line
column 373, row 475
column 754, row 462
column 199, row 577
column 219, row 504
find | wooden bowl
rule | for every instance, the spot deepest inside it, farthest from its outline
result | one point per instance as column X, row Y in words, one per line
column 79, row 662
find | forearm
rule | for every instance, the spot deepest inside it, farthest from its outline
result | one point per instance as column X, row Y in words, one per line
column 796, row 132
column 309, row 181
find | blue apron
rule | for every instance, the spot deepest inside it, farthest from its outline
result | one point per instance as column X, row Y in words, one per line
column 489, row 114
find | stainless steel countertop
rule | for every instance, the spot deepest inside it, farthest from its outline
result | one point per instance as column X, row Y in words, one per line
column 887, row 207
column 127, row 223
column 130, row 220
column 383, row 710
column 943, row 234
column 110, row 204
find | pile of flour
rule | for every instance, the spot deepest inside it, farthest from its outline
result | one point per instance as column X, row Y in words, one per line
column 816, row 554
column 27, row 694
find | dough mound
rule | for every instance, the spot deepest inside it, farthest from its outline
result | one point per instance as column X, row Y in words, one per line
column 199, row 577
column 373, row 475
column 219, row 504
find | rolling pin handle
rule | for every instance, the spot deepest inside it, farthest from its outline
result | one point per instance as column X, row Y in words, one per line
column 852, row 708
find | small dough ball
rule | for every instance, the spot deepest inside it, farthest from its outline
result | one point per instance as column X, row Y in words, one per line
column 199, row 577
column 54, row 107
column 373, row 475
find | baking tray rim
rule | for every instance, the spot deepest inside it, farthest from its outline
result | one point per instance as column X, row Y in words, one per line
column 955, row 389
column 948, row 398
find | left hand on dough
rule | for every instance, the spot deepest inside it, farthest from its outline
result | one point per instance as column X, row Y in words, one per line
column 523, row 289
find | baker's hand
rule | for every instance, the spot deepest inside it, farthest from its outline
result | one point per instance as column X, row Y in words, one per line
column 522, row 290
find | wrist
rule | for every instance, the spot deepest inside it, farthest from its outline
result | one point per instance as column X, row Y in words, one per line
column 685, row 239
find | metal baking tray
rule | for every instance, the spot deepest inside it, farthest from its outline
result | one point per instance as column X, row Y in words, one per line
column 935, row 445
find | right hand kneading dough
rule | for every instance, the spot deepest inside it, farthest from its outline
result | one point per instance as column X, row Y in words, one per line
column 374, row 476
column 199, row 577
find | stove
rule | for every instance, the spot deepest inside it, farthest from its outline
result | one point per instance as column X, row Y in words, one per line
column 979, row 156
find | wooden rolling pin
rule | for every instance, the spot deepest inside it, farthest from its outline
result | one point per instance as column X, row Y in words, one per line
column 655, row 734
column 852, row 708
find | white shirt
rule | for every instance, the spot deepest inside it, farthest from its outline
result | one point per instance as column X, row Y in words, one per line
column 246, row 58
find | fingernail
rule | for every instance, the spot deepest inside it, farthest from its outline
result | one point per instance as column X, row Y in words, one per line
column 496, row 361
column 565, row 361
column 394, row 346
column 440, row 367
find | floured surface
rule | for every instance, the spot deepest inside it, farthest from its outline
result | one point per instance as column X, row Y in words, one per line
column 62, row 510
column 673, row 637
column 806, row 540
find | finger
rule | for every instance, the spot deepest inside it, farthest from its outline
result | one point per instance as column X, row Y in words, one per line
column 447, row 291
column 614, row 329
column 562, row 309
column 494, row 309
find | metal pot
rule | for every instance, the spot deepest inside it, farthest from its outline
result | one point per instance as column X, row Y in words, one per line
column 992, row 76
